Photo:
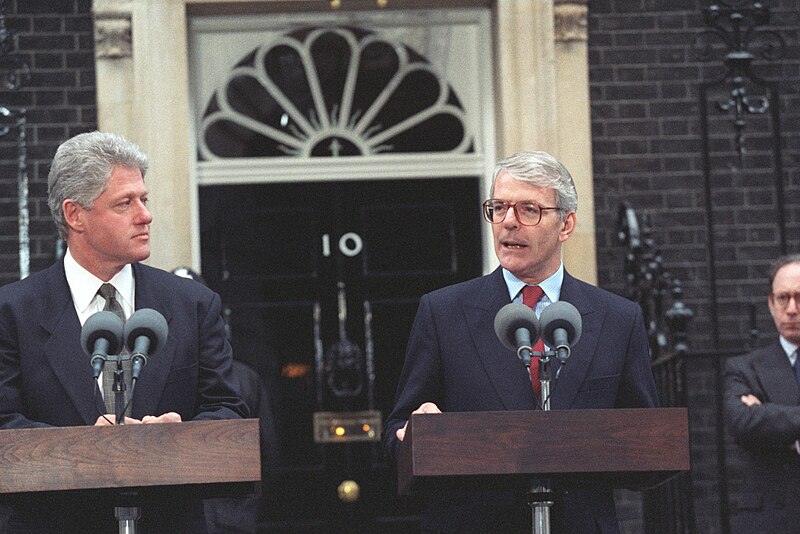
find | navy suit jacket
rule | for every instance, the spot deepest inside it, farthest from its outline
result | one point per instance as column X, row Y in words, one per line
column 46, row 380
column 770, row 495
column 455, row 360
column 46, row 376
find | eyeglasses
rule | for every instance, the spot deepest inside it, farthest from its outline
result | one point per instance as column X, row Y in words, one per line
column 528, row 213
column 781, row 300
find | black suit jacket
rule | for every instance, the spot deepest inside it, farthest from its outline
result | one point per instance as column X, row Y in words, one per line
column 770, row 497
column 46, row 378
column 455, row 360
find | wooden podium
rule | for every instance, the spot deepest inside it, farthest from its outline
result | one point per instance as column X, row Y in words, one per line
column 133, row 462
column 621, row 448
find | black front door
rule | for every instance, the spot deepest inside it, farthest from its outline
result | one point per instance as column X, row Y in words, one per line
column 320, row 282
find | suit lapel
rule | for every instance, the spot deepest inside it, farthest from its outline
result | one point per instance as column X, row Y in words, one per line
column 153, row 377
column 506, row 372
column 777, row 377
column 63, row 350
column 574, row 371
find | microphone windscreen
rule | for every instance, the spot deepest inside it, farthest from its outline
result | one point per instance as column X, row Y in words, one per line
column 102, row 325
column 512, row 317
column 560, row 315
column 146, row 322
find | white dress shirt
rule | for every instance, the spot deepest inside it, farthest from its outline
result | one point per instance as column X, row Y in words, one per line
column 83, row 286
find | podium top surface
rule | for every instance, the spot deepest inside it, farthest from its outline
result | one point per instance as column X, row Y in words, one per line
column 127, row 456
column 559, row 443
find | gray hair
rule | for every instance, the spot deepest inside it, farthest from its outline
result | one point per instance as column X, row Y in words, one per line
column 82, row 167
column 779, row 264
column 542, row 170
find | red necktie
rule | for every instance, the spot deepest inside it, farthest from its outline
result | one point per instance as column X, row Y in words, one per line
column 530, row 296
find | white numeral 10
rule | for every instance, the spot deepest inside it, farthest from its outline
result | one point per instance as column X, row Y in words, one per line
column 350, row 244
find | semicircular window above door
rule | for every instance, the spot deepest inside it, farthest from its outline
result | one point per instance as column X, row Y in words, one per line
column 333, row 91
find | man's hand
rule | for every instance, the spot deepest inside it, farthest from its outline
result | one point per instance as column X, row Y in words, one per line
column 750, row 400
column 169, row 417
column 110, row 419
column 425, row 407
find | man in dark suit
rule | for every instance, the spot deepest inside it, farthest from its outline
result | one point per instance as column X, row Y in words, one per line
column 762, row 410
column 455, row 362
column 98, row 199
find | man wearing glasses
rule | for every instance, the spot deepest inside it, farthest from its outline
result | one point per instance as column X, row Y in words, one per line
column 762, row 409
column 455, row 362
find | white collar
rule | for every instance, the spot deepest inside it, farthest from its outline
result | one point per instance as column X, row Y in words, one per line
column 550, row 285
column 84, row 285
column 789, row 347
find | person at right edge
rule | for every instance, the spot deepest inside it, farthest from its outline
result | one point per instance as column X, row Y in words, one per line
column 455, row 362
column 762, row 412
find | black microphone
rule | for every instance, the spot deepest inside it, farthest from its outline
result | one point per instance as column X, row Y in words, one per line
column 517, row 327
column 561, row 328
column 145, row 331
column 101, row 336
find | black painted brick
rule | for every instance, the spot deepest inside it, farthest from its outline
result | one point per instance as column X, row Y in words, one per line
column 632, row 161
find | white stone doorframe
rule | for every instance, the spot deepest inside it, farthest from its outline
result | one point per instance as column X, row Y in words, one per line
column 541, row 102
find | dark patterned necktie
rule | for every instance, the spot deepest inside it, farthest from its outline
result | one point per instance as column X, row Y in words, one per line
column 530, row 296
column 109, row 293
column 797, row 366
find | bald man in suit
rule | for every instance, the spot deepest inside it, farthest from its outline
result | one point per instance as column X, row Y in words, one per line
column 762, row 410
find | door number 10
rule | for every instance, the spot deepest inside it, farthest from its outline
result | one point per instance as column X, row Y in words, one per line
column 350, row 244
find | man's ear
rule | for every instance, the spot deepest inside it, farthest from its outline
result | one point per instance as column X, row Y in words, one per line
column 73, row 215
column 567, row 226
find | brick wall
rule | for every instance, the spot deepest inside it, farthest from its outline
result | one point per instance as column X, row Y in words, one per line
column 645, row 81
column 54, row 38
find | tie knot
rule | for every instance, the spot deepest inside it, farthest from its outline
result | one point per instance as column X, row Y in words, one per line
column 531, row 295
column 107, row 291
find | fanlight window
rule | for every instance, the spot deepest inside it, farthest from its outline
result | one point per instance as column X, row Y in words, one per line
column 326, row 92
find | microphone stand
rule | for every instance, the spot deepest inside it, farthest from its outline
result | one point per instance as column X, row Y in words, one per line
column 119, row 392
column 127, row 516
column 540, row 495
